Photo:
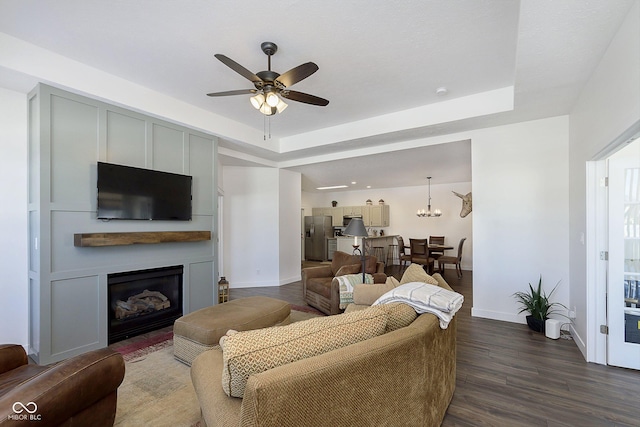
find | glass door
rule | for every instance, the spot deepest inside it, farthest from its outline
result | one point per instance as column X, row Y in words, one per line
column 623, row 299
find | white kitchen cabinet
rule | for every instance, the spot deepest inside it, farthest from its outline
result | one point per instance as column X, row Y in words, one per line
column 372, row 215
column 336, row 215
column 378, row 216
column 352, row 210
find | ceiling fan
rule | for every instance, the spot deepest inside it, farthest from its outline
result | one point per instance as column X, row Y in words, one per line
column 271, row 86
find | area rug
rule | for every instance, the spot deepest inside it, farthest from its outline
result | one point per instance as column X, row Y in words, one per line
column 157, row 389
column 141, row 348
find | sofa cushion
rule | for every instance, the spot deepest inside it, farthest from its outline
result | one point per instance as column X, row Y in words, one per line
column 371, row 264
column 251, row 352
column 400, row 315
column 342, row 258
column 339, row 259
column 392, row 280
column 366, row 294
column 415, row 273
column 348, row 269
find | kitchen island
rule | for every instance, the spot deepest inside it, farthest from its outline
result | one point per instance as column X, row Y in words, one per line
column 345, row 244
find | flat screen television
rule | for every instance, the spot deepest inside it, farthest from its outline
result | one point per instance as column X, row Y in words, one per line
column 125, row 192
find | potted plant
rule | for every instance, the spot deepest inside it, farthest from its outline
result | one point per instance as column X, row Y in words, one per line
column 538, row 304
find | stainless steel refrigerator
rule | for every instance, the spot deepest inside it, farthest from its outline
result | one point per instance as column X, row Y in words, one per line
column 317, row 229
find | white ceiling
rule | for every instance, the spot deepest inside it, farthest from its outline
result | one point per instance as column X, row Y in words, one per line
column 379, row 61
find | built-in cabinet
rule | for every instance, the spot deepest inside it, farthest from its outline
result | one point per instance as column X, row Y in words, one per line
column 68, row 271
column 372, row 215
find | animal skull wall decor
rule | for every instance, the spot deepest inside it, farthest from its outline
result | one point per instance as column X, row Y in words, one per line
column 466, row 204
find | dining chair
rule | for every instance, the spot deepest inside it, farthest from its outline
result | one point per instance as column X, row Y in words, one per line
column 436, row 240
column 456, row 260
column 420, row 254
column 403, row 256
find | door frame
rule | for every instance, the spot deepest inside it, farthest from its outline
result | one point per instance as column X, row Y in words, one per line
column 597, row 240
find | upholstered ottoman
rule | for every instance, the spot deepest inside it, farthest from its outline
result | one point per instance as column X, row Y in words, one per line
column 201, row 330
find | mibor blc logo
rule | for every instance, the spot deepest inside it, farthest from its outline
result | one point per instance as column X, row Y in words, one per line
column 24, row 412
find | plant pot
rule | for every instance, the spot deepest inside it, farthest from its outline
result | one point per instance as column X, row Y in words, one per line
column 535, row 324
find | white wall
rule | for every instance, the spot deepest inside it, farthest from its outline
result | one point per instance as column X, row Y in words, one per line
column 251, row 226
column 404, row 202
column 520, row 218
column 290, row 223
column 521, row 213
column 608, row 105
column 262, row 226
column 14, row 320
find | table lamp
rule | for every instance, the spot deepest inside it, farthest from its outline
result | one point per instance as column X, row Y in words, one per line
column 357, row 229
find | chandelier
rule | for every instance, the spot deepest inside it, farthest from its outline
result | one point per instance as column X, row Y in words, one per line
column 428, row 213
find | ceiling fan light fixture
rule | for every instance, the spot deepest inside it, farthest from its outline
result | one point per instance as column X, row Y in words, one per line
column 281, row 106
column 269, row 85
column 257, row 101
column 267, row 110
column 272, row 99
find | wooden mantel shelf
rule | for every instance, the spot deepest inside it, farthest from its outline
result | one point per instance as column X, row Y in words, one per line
column 134, row 238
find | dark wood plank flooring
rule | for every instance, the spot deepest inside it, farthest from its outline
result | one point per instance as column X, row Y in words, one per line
column 508, row 375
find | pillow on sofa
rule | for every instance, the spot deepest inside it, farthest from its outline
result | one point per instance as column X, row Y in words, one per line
column 400, row 315
column 349, row 269
column 251, row 352
column 366, row 294
column 393, row 281
column 342, row 258
column 415, row 273
column 370, row 264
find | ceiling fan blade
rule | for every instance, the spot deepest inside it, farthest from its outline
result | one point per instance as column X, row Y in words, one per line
column 304, row 97
column 297, row 74
column 238, row 68
column 233, row 92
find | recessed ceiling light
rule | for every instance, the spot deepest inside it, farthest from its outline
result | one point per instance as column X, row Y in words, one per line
column 441, row 91
column 331, row 187
column 353, row 183
column 368, row 186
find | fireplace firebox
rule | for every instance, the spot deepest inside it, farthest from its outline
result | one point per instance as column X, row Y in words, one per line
column 143, row 301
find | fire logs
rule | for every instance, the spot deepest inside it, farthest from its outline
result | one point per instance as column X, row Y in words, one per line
column 143, row 303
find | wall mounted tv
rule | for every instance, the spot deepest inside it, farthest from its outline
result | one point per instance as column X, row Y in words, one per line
column 125, row 192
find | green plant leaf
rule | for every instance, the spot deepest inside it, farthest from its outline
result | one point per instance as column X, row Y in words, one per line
column 537, row 302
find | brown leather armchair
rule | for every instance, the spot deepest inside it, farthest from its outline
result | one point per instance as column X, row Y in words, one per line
column 322, row 292
column 80, row 391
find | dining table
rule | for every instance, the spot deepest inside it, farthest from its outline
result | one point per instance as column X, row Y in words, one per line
column 432, row 248
column 439, row 248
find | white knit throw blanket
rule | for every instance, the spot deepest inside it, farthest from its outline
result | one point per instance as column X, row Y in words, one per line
column 426, row 298
column 346, row 283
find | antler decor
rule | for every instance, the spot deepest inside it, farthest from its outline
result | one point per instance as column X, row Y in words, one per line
column 466, row 204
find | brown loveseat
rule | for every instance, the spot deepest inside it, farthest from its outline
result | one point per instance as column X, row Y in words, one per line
column 80, row 391
column 405, row 377
column 322, row 292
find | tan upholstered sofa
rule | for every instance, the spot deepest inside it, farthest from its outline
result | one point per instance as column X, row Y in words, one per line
column 405, row 377
column 321, row 291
